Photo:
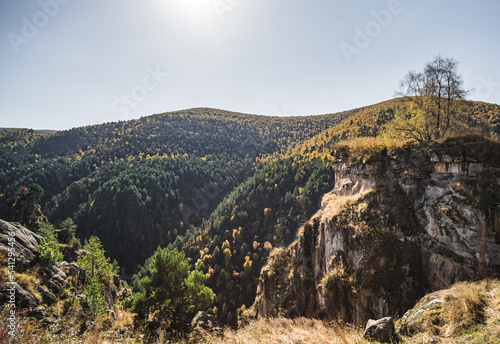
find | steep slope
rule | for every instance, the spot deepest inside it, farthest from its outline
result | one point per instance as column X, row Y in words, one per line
column 396, row 224
column 232, row 245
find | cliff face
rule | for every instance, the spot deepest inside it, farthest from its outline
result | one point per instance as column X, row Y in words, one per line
column 394, row 227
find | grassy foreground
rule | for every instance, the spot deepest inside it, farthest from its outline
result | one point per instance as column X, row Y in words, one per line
column 470, row 314
column 282, row 330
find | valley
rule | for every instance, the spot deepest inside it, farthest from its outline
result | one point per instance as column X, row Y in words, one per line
column 324, row 217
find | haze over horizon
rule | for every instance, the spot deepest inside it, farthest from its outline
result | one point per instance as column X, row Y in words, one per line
column 69, row 63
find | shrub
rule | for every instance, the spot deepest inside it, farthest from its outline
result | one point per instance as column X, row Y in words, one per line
column 48, row 251
column 94, row 300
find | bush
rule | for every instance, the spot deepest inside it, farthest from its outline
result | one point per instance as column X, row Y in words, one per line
column 68, row 227
column 170, row 288
column 95, row 262
column 76, row 244
column 94, row 300
column 35, row 191
column 68, row 304
column 48, row 251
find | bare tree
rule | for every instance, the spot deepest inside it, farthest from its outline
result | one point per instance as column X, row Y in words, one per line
column 435, row 96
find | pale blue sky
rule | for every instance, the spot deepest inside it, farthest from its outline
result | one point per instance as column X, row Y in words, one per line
column 68, row 63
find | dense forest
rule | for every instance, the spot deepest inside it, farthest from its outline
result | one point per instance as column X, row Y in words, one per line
column 223, row 187
column 148, row 180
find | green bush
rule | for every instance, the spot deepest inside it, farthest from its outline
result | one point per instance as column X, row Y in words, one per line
column 69, row 303
column 95, row 262
column 76, row 243
column 48, row 251
column 170, row 288
column 94, row 299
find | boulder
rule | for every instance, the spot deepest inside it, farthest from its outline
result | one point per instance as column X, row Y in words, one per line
column 23, row 299
column 204, row 321
column 381, row 330
column 39, row 312
column 55, row 279
column 26, row 243
column 417, row 318
column 47, row 296
column 74, row 271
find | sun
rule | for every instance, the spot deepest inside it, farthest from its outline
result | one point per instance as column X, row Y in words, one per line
column 193, row 8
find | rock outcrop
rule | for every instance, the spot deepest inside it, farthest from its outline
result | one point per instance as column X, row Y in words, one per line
column 55, row 279
column 74, row 272
column 25, row 244
column 395, row 226
column 24, row 208
column 414, row 320
column 21, row 297
column 52, row 283
column 381, row 330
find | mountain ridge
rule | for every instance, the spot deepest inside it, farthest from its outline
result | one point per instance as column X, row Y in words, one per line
column 226, row 188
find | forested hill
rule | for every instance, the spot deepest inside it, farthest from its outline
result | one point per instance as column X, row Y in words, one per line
column 224, row 187
column 140, row 183
column 38, row 131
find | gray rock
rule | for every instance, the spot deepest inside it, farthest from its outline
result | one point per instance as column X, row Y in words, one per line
column 204, row 321
column 55, row 279
column 47, row 296
column 110, row 314
column 413, row 319
column 26, row 243
column 74, row 271
column 39, row 312
column 49, row 321
column 381, row 330
column 23, row 299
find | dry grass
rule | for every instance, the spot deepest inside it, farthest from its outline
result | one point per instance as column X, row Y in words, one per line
column 287, row 331
column 124, row 319
column 30, row 280
column 67, row 330
column 470, row 314
column 365, row 148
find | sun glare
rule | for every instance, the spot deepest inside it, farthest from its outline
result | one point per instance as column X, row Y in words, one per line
column 195, row 10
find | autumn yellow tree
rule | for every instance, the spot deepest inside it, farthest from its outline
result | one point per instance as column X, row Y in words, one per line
column 435, row 101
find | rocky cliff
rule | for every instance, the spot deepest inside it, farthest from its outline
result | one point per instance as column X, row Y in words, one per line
column 396, row 225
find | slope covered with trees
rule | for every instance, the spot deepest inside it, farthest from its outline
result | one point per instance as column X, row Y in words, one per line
column 138, row 184
column 264, row 212
column 223, row 187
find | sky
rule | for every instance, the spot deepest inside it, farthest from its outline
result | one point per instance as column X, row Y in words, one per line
column 71, row 63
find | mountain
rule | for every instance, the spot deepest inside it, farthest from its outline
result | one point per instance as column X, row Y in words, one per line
column 139, row 184
column 224, row 187
column 38, row 131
